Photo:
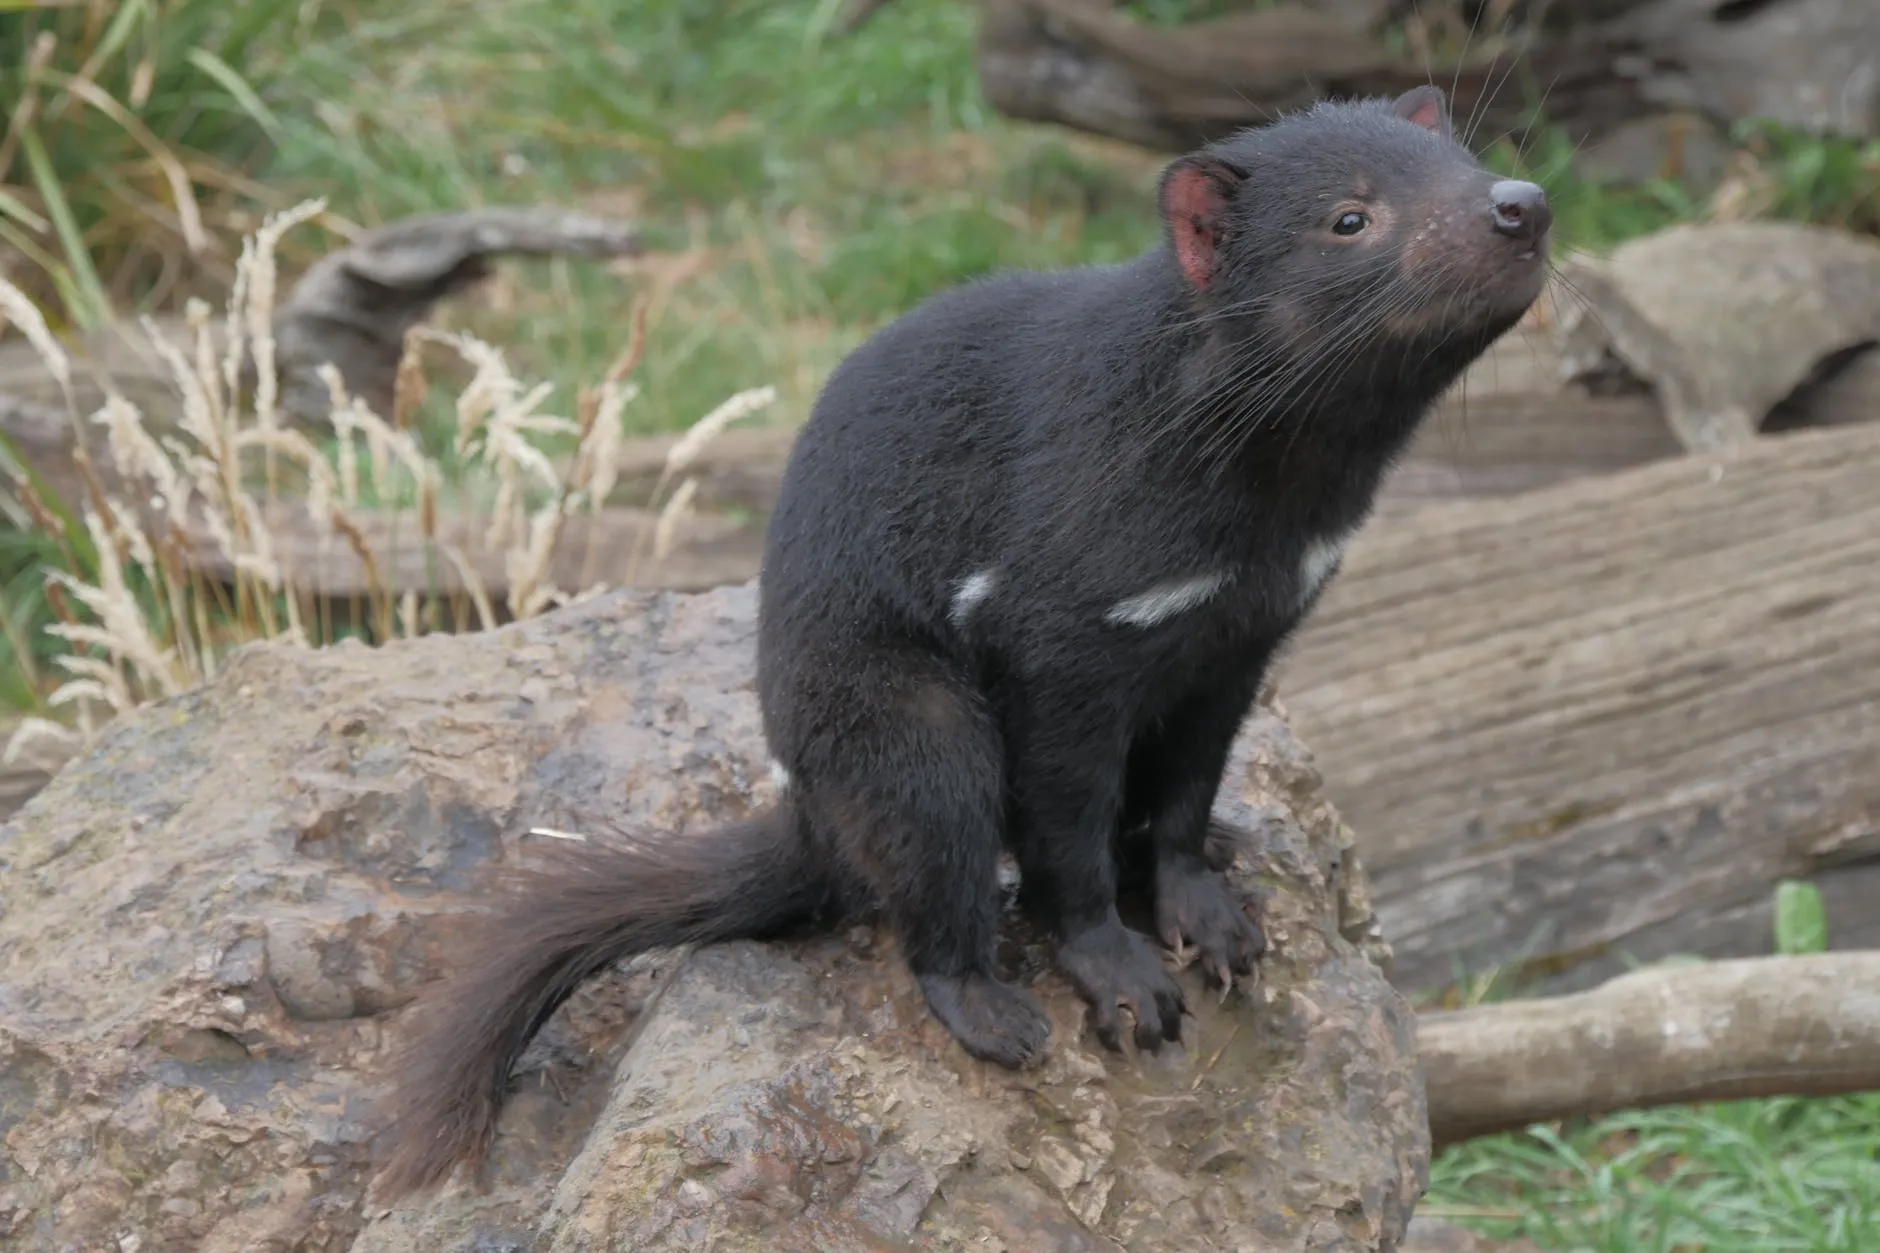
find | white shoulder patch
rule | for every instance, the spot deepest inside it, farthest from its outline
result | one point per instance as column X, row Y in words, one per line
column 1165, row 600
column 968, row 594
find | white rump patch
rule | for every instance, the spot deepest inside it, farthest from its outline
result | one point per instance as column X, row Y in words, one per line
column 1316, row 565
column 779, row 777
column 1164, row 600
column 971, row 590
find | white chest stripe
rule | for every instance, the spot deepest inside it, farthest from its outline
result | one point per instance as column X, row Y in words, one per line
column 1164, row 601
column 1316, row 565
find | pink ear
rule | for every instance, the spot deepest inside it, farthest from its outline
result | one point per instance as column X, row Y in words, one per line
column 1196, row 191
column 1425, row 107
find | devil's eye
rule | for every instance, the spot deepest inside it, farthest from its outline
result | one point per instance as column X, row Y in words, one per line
column 1350, row 224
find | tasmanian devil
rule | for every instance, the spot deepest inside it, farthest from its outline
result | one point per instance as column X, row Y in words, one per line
column 1033, row 553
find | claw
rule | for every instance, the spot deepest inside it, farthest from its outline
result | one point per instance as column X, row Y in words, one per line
column 1115, row 969
column 1200, row 907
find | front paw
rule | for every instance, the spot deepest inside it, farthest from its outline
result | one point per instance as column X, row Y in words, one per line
column 1194, row 903
column 1114, row 969
column 993, row 1021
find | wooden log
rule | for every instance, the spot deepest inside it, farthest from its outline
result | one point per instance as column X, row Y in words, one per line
column 1600, row 64
column 1770, row 1026
column 352, row 308
column 1082, row 64
column 1511, row 425
column 709, row 550
column 740, row 469
column 1604, row 718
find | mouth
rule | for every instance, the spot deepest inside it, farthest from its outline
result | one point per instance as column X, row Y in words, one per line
column 1537, row 250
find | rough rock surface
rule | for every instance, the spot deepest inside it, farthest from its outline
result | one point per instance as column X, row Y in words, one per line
column 210, row 920
column 1724, row 320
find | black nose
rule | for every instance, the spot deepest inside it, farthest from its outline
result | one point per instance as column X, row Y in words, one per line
column 1520, row 209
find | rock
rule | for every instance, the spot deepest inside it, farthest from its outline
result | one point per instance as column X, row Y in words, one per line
column 1724, row 320
column 1682, row 146
column 212, row 918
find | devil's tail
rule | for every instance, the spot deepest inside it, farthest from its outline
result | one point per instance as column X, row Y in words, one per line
column 585, row 906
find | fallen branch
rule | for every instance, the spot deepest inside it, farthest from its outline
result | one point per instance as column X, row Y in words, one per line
column 1598, row 65
column 1755, row 1027
column 353, row 307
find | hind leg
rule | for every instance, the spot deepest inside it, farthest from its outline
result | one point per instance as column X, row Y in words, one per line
column 901, row 769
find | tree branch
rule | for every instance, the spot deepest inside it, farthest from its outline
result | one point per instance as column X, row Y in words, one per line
column 1764, row 1026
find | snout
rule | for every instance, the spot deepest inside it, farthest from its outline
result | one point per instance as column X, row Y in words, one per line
column 1520, row 211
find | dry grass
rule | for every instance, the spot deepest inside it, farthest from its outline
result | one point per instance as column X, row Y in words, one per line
column 138, row 618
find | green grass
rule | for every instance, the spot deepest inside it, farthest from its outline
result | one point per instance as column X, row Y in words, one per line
column 814, row 187
column 1782, row 1175
column 1771, row 1176
column 811, row 187
column 124, row 134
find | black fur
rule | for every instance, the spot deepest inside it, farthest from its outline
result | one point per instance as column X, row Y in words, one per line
column 1206, row 416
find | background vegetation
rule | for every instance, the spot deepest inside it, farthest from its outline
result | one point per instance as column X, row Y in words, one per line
column 801, row 189
column 805, row 187
column 1788, row 1174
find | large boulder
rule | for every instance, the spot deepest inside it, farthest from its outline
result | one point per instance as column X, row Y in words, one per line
column 211, row 920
